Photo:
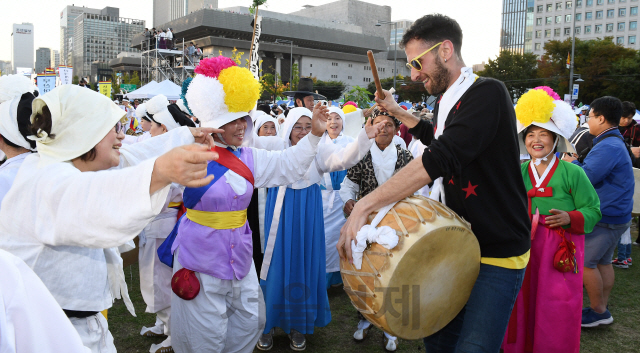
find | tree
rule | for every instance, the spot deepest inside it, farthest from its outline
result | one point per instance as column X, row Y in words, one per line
column 268, row 82
column 135, row 79
column 359, row 95
column 412, row 92
column 126, row 78
column 624, row 80
column 593, row 60
column 295, row 73
column 517, row 71
column 386, row 84
column 75, row 80
column 330, row 89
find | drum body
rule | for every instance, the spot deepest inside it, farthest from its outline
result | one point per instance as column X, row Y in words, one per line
column 636, row 193
column 418, row 287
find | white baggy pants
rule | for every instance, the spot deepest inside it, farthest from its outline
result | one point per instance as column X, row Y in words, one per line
column 226, row 316
column 94, row 333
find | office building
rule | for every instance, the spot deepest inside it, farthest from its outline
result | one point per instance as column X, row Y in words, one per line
column 554, row 20
column 396, row 38
column 22, row 49
column 478, row 67
column 5, row 67
column 67, row 17
column 517, row 26
column 328, row 42
column 55, row 58
column 98, row 38
column 168, row 10
column 43, row 59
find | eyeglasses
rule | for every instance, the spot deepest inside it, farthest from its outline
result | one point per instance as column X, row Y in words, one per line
column 415, row 63
column 119, row 127
column 298, row 129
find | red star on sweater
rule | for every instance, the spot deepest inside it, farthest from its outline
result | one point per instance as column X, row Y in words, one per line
column 470, row 190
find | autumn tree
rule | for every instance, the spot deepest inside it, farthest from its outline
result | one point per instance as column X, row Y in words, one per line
column 517, row 71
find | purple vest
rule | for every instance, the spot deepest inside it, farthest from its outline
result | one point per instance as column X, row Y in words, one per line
column 221, row 253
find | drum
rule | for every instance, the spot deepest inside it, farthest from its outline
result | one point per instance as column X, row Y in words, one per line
column 636, row 193
column 418, row 287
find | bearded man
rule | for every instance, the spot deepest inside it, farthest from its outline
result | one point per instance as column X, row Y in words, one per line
column 472, row 157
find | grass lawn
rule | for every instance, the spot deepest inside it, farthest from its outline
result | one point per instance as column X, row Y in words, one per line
column 621, row 336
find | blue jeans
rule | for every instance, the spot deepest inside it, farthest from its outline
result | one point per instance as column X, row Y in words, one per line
column 624, row 250
column 482, row 323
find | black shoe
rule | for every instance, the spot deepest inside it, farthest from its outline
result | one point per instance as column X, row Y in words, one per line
column 298, row 341
column 265, row 342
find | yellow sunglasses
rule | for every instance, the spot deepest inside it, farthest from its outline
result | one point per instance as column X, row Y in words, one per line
column 415, row 63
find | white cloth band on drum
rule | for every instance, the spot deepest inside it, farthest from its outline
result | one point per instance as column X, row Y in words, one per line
column 385, row 236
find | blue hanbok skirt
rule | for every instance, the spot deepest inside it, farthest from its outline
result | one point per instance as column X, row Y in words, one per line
column 295, row 291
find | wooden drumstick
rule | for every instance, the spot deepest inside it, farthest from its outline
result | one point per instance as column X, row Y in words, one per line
column 374, row 71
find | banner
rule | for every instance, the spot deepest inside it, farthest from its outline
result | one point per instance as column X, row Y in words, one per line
column 128, row 87
column 66, row 73
column 46, row 82
column 254, row 64
column 105, row 88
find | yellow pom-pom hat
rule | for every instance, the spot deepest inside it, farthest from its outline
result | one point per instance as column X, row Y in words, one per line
column 542, row 107
column 222, row 92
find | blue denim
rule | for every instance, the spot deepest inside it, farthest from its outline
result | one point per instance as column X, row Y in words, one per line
column 624, row 250
column 482, row 323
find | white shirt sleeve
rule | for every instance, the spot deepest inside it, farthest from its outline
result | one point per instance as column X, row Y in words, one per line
column 30, row 318
column 101, row 209
column 275, row 168
column 333, row 157
column 134, row 154
column 348, row 190
column 269, row 143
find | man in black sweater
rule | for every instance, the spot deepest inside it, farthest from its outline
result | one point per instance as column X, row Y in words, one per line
column 473, row 158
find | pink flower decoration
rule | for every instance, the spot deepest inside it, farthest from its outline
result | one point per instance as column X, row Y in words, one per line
column 211, row 67
column 351, row 103
column 550, row 92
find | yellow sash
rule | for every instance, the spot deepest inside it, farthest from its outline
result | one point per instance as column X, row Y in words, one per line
column 174, row 204
column 218, row 220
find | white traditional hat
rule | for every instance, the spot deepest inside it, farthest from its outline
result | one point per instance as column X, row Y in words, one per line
column 157, row 107
column 12, row 106
column 80, row 119
column 292, row 118
column 222, row 92
column 261, row 118
column 180, row 104
column 538, row 107
column 141, row 111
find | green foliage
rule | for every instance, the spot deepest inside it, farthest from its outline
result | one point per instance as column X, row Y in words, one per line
column 126, row 78
column 624, row 80
column 75, row 80
column 255, row 4
column 359, row 95
column 594, row 60
column 517, row 71
column 269, row 87
column 295, row 72
column 135, row 79
column 386, row 84
column 330, row 89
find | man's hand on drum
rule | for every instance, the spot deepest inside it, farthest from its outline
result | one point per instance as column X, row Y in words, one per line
column 348, row 207
column 357, row 219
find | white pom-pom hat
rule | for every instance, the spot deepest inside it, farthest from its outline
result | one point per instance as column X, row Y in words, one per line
column 12, row 86
column 222, row 92
column 537, row 107
column 157, row 107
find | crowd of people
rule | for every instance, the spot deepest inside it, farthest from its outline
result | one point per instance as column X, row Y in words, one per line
column 243, row 212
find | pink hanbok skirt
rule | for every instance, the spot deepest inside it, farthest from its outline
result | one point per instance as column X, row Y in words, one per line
column 547, row 314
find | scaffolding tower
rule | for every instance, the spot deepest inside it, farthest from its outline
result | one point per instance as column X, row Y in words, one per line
column 159, row 64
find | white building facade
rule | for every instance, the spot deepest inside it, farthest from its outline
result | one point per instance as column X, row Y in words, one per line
column 22, row 48
column 590, row 19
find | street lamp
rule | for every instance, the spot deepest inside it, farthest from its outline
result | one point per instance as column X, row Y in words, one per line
column 579, row 77
column 395, row 44
column 573, row 49
column 290, row 60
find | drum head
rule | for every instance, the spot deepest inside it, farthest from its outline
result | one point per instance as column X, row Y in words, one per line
column 432, row 282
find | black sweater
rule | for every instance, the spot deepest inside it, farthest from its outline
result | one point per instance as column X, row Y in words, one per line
column 478, row 157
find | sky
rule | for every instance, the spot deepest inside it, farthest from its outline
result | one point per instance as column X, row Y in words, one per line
column 480, row 20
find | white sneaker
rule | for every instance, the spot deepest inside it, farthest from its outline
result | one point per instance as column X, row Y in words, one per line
column 390, row 342
column 162, row 347
column 363, row 329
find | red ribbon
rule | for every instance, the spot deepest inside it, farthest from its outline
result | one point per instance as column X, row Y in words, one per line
column 234, row 163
